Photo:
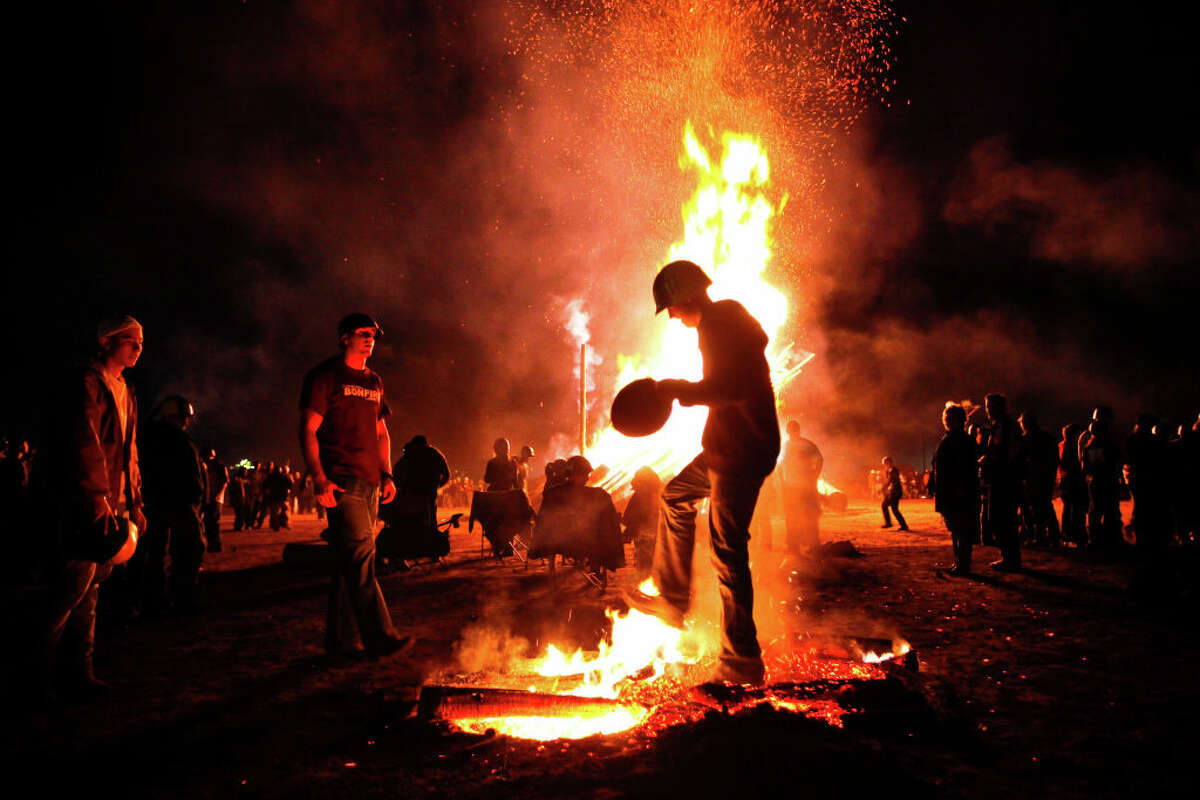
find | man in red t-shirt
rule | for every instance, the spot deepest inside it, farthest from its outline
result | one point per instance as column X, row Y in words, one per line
column 345, row 441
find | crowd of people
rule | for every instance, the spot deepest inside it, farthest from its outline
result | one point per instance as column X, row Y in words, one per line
column 120, row 496
column 994, row 482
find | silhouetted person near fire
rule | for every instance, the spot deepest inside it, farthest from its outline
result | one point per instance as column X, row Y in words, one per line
column 500, row 475
column 420, row 472
column 174, row 487
column 579, row 522
column 1100, row 456
column 277, row 491
column 347, row 449
column 1040, row 463
column 1072, row 487
column 800, row 470
column 954, row 481
column 1185, row 468
column 1149, row 483
column 521, row 467
column 85, row 482
column 740, row 447
column 216, row 476
column 1001, row 465
column 893, row 491
column 235, row 495
column 641, row 519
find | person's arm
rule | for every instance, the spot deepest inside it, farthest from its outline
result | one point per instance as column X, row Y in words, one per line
column 387, row 486
column 93, row 464
column 323, row 488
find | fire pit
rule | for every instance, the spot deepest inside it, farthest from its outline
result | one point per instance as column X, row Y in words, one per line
column 609, row 691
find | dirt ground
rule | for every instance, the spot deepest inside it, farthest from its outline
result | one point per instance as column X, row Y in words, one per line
column 1051, row 682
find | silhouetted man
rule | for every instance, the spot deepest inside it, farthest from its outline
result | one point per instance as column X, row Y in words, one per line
column 1001, row 462
column 740, row 446
column 217, row 476
column 521, row 465
column 500, row 474
column 1148, row 481
column 175, row 487
column 347, row 448
column 1100, row 456
column 801, row 467
column 1040, row 461
column 893, row 491
column 420, row 472
column 1072, row 487
column 955, row 485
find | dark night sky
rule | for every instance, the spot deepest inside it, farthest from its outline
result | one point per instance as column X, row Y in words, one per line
column 1021, row 216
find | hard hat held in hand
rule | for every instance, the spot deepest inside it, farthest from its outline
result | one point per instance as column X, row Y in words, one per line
column 640, row 409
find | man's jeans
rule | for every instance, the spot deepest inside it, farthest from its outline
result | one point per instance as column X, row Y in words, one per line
column 732, row 501
column 72, row 620
column 352, row 541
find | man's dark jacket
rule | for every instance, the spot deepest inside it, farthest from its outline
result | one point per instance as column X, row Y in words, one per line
column 174, row 474
column 741, row 437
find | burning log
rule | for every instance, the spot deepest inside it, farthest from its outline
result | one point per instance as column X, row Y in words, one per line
column 458, row 702
column 869, row 649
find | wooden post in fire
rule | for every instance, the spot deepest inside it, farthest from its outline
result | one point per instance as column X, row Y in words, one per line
column 582, row 399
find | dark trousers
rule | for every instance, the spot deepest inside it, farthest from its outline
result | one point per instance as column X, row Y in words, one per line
column 1002, row 505
column 963, row 534
column 1074, row 515
column 1041, row 519
column 356, row 604
column 212, row 526
column 801, row 512
column 732, row 500
column 1103, row 514
column 892, row 503
column 179, row 532
column 70, row 629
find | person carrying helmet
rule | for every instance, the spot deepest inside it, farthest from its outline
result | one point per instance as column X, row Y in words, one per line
column 740, row 446
column 175, row 488
column 500, row 474
column 348, row 452
column 87, row 482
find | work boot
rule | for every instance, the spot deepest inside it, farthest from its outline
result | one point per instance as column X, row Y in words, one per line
column 1004, row 565
column 654, row 606
column 85, row 689
column 389, row 645
column 742, row 671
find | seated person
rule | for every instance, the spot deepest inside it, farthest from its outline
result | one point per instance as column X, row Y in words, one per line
column 579, row 521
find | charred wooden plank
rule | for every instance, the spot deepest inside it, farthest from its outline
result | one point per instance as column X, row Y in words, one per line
column 461, row 702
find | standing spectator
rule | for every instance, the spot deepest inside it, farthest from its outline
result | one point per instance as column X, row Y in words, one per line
column 217, row 477
column 235, row 494
column 893, row 490
column 347, row 448
column 641, row 518
column 800, row 470
column 954, row 480
column 1148, row 481
column 1072, row 487
column 1100, row 457
column 89, row 480
column 175, row 489
column 277, row 489
column 521, row 463
column 419, row 473
column 1040, row 460
column 1001, row 465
